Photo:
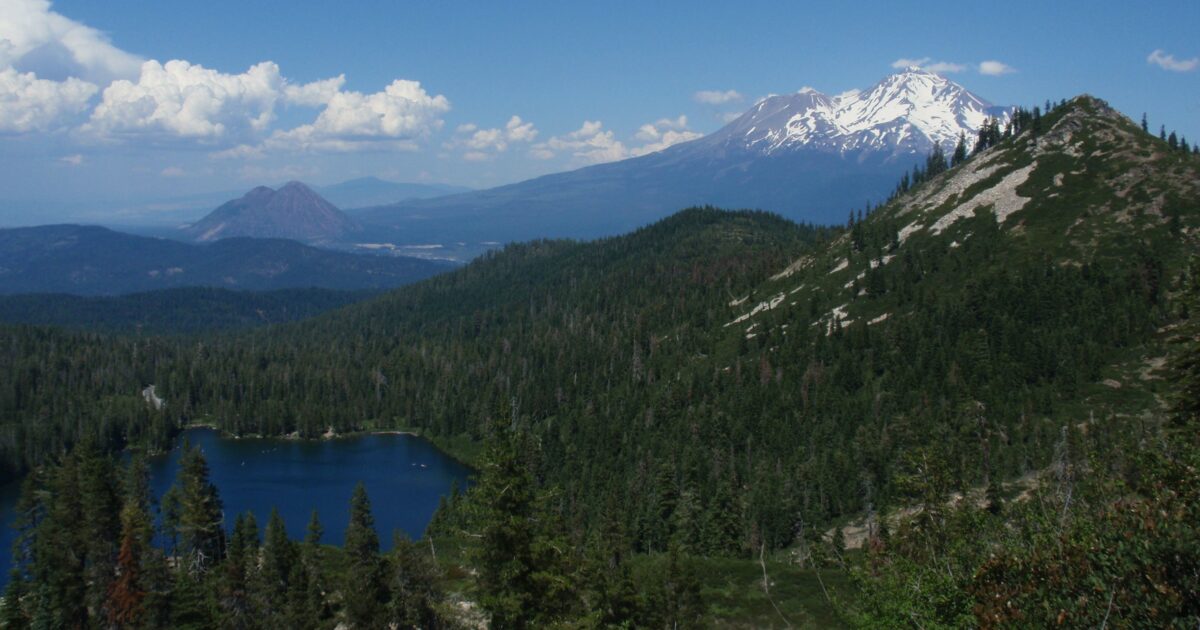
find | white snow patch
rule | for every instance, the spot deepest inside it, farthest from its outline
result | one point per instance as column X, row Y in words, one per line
column 882, row 261
column 739, row 302
column 842, row 264
column 876, row 320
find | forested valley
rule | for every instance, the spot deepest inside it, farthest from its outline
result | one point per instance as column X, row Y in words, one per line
column 994, row 376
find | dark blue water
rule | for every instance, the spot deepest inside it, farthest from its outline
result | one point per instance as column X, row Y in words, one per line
column 404, row 476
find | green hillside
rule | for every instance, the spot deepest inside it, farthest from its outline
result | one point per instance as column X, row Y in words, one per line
column 730, row 385
column 174, row 311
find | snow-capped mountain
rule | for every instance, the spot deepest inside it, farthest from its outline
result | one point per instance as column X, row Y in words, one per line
column 808, row 156
column 903, row 114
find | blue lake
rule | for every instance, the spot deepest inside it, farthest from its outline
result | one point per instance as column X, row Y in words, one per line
column 404, row 475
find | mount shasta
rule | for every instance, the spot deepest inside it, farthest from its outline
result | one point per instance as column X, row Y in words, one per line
column 807, row 156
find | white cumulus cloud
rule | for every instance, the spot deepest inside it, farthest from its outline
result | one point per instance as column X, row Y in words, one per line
column 314, row 94
column 1166, row 61
column 717, row 97
column 483, row 144
column 29, row 104
column 592, row 144
column 190, row 101
column 44, row 42
column 350, row 121
column 662, row 134
column 995, row 68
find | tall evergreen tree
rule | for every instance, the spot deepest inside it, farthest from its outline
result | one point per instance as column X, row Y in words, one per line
column 413, row 585
column 127, row 593
column 101, row 526
column 506, row 495
column 200, row 518
column 364, row 591
column 960, row 150
column 279, row 557
column 238, row 572
column 59, row 569
column 307, row 606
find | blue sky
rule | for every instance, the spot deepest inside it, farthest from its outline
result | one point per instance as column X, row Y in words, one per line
column 321, row 93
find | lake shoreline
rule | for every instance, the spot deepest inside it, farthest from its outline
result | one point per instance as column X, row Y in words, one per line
column 457, row 454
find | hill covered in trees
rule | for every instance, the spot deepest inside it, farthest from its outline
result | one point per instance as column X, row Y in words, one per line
column 730, row 385
column 174, row 311
column 88, row 260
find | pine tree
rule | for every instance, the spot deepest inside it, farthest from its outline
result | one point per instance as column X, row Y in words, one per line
column 314, row 531
column 153, row 579
column 1145, row 124
column 126, row 596
column 413, row 584
column 609, row 591
column 960, row 150
column 100, row 529
column 238, row 572
column 307, row 607
column 722, row 527
column 364, row 591
column 59, row 569
column 201, row 537
column 278, row 558
column 505, row 495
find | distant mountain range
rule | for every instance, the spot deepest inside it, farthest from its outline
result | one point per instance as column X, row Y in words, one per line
column 372, row 191
column 294, row 211
column 151, row 212
column 86, row 260
column 808, row 156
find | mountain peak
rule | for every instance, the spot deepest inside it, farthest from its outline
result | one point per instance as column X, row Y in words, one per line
column 905, row 113
column 295, row 211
